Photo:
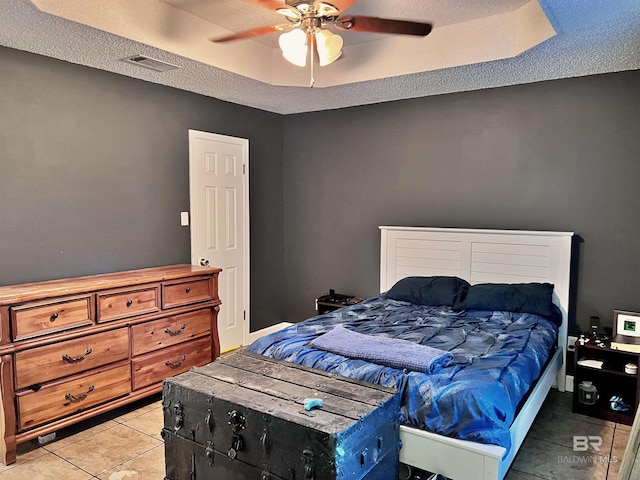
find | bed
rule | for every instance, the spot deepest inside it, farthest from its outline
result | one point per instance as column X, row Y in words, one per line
column 477, row 257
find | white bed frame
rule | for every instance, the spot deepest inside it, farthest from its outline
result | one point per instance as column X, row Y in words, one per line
column 479, row 256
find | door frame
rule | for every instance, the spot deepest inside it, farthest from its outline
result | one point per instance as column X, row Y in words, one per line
column 244, row 143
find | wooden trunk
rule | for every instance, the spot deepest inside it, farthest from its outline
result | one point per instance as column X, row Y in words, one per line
column 242, row 417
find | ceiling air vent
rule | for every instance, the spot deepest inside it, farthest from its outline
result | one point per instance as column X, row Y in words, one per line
column 150, row 63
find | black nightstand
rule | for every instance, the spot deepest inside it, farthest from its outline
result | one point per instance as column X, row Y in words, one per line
column 608, row 381
column 334, row 301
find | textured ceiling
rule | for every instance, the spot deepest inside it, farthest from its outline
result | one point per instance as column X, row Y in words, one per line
column 475, row 44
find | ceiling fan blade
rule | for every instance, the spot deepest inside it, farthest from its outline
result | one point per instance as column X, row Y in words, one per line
column 342, row 5
column 271, row 4
column 383, row 25
column 254, row 32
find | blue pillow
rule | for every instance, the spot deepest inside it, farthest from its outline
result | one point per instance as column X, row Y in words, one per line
column 439, row 290
column 556, row 314
column 533, row 298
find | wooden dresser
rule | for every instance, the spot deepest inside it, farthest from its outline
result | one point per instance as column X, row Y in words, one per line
column 74, row 348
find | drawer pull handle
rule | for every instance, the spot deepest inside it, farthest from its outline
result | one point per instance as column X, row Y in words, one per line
column 187, row 290
column 53, row 317
column 69, row 359
column 129, row 303
column 175, row 364
column 173, row 333
column 79, row 398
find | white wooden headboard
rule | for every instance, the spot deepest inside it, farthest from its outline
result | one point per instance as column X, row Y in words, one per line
column 481, row 256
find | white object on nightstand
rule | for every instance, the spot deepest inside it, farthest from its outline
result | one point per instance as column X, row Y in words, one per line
column 591, row 363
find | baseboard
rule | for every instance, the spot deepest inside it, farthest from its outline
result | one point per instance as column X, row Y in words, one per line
column 253, row 336
column 569, row 383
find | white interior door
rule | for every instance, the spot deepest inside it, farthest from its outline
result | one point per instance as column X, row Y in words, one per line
column 219, row 191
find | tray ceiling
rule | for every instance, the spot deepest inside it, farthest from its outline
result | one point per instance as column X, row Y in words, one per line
column 475, row 44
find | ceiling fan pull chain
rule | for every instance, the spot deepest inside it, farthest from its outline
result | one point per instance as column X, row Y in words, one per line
column 312, row 48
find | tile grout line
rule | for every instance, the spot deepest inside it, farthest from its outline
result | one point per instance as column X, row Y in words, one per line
column 74, row 442
column 122, row 463
column 527, row 473
column 73, row 464
column 613, row 439
column 97, row 433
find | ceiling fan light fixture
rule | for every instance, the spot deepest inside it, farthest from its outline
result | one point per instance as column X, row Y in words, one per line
column 329, row 46
column 294, row 47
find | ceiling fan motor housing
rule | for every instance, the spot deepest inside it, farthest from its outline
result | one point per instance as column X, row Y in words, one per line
column 311, row 24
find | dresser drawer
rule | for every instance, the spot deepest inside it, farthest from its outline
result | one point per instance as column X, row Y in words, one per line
column 40, row 318
column 63, row 398
column 157, row 334
column 117, row 304
column 185, row 292
column 43, row 364
column 155, row 367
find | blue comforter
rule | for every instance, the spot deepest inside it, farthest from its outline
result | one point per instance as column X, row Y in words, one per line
column 497, row 357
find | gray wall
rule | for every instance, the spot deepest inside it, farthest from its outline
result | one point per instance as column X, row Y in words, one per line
column 560, row 155
column 94, row 174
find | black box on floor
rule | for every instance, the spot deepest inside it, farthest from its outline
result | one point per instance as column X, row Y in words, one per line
column 242, row 418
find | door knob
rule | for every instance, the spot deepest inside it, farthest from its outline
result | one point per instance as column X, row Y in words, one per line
column 204, row 262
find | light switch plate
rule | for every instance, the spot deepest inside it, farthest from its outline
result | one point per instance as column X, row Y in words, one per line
column 184, row 219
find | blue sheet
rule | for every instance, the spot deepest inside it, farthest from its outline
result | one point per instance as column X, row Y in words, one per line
column 497, row 357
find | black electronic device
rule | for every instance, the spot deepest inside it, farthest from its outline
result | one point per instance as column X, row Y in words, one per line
column 596, row 329
column 333, row 301
column 334, row 297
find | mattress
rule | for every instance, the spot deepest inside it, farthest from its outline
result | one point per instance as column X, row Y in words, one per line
column 496, row 358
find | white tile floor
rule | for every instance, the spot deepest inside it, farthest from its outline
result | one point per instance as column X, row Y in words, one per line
column 126, row 445
column 548, row 451
column 123, row 444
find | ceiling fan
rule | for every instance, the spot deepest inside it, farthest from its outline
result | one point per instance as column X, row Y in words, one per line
column 306, row 31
